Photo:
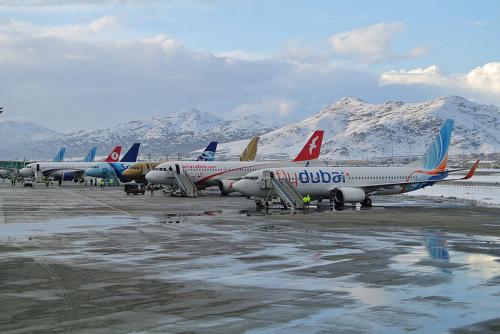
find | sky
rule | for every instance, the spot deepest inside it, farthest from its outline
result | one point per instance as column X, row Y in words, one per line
column 90, row 64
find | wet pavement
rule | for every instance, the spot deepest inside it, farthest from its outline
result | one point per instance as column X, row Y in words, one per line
column 91, row 261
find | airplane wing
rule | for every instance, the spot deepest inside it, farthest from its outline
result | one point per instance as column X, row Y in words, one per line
column 375, row 187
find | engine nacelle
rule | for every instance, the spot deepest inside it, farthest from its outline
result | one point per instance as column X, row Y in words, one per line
column 349, row 195
column 226, row 187
column 68, row 176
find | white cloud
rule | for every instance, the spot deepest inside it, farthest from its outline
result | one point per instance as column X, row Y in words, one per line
column 485, row 78
column 372, row 43
column 73, row 82
column 236, row 55
column 431, row 75
column 71, row 31
column 482, row 79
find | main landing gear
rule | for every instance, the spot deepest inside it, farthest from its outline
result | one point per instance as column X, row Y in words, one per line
column 366, row 203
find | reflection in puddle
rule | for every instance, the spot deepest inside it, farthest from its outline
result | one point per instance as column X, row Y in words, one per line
column 436, row 246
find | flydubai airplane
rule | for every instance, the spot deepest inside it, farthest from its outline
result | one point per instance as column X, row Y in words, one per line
column 137, row 172
column 358, row 184
column 65, row 170
column 224, row 173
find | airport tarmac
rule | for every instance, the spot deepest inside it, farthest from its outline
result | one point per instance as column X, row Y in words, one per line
column 85, row 260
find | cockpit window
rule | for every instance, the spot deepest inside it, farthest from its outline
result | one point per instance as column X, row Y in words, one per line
column 250, row 178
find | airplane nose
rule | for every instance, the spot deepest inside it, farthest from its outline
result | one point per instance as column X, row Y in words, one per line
column 92, row 172
column 151, row 177
column 25, row 171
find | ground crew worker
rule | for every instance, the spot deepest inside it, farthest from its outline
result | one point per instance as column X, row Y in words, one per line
column 101, row 183
column 306, row 200
column 91, row 182
column 110, row 182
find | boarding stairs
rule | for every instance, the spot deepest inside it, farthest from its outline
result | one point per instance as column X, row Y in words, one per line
column 185, row 185
column 284, row 189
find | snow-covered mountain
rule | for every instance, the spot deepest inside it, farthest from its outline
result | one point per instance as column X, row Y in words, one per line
column 15, row 133
column 353, row 130
column 358, row 130
column 173, row 133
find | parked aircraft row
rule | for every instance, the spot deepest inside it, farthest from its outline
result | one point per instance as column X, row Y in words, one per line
column 340, row 185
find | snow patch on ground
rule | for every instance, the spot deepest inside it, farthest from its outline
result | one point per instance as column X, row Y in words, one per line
column 482, row 194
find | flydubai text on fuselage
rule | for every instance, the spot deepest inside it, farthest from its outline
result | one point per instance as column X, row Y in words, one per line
column 356, row 184
column 224, row 173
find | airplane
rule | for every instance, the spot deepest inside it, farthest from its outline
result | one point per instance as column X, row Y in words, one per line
column 114, row 170
column 224, row 173
column 357, row 184
column 137, row 172
column 64, row 170
column 251, row 150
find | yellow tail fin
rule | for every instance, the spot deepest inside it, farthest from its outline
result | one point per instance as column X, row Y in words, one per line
column 250, row 151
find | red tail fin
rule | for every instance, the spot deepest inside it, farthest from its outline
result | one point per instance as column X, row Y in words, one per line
column 312, row 148
column 114, row 156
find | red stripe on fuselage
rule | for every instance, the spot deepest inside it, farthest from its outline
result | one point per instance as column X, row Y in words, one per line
column 206, row 178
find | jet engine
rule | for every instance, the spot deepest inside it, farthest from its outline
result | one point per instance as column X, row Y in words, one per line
column 349, row 195
column 68, row 176
column 226, row 187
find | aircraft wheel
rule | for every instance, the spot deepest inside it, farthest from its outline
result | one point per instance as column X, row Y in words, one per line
column 367, row 202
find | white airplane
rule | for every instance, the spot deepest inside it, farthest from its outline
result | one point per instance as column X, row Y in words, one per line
column 358, row 184
column 224, row 173
column 65, row 170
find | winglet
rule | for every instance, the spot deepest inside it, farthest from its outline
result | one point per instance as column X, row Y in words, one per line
column 312, row 148
column 471, row 171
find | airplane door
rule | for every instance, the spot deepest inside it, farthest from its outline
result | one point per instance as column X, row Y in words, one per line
column 37, row 167
column 177, row 169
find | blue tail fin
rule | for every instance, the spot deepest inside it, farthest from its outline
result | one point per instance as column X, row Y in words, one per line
column 209, row 153
column 131, row 155
column 60, row 155
column 436, row 156
column 91, row 156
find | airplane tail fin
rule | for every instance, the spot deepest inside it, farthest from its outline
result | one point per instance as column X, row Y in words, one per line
column 60, row 155
column 209, row 153
column 312, row 148
column 114, row 156
column 251, row 150
column 435, row 158
column 91, row 155
column 131, row 155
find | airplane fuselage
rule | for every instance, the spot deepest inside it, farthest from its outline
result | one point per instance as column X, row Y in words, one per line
column 322, row 182
column 208, row 173
column 55, row 169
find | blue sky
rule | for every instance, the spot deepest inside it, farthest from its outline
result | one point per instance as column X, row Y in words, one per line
column 282, row 59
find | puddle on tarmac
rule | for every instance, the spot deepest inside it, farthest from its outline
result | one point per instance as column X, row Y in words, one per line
column 423, row 283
